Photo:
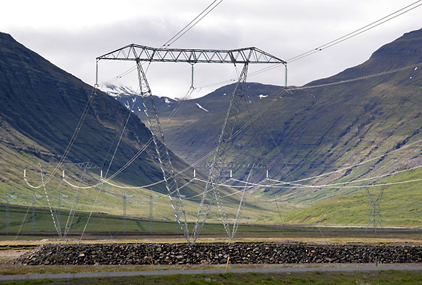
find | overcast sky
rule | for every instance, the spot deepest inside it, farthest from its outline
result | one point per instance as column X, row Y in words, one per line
column 71, row 34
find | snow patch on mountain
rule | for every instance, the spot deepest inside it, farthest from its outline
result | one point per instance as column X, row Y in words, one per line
column 200, row 107
column 118, row 90
column 125, row 94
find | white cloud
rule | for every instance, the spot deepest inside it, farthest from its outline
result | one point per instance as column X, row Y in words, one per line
column 72, row 34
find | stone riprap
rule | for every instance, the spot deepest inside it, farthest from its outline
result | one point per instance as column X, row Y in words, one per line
column 239, row 253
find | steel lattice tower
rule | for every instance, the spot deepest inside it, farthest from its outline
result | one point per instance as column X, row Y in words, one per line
column 374, row 215
column 243, row 56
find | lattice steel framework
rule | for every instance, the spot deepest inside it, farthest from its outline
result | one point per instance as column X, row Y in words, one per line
column 374, row 215
column 59, row 214
column 224, row 142
column 245, row 56
column 7, row 212
column 124, row 197
column 136, row 52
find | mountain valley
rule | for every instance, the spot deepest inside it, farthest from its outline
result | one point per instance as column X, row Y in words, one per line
column 317, row 146
column 329, row 138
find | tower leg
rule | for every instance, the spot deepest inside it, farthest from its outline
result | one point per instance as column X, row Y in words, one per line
column 211, row 188
column 162, row 151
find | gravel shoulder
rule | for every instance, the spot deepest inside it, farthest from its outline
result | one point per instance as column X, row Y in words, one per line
column 9, row 255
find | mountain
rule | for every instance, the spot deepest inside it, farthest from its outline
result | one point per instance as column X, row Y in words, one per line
column 40, row 108
column 326, row 132
column 126, row 96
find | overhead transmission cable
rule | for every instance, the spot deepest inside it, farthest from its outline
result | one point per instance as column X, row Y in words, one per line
column 282, row 184
column 316, row 186
column 109, row 166
column 323, row 85
column 357, row 78
column 192, row 23
column 50, row 204
column 71, row 142
column 111, row 177
column 309, row 87
column 177, row 36
column 359, row 31
column 295, row 183
column 346, row 182
column 254, row 118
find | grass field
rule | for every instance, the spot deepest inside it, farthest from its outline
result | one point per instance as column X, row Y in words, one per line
column 316, row 224
column 138, row 232
column 102, row 226
column 317, row 277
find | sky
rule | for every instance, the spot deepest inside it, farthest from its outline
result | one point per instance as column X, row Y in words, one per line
column 71, row 34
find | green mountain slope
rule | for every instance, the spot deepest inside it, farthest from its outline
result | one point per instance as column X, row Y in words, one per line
column 40, row 108
column 339, row 133
column 44, row 104
column 399, row 205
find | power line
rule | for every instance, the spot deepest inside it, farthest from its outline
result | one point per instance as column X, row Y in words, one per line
column 214, row 4
column 359, row 31
column 344, row 168
column 358, row 78
column 280, row 95
column 253, row 119
column 177, row 36
column 331, row 43
column 192, row 23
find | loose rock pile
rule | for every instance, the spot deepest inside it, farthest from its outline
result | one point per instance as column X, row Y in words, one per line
column 239, row 253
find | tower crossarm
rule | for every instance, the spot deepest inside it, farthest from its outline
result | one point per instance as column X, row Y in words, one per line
column 149, row 54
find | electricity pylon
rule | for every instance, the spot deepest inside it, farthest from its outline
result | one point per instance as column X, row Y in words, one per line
column 59, row 213
column 151, row 210
column 143, row 54
column 374, row 215
column 7, row 212
column 34, row 198
column 124, row 210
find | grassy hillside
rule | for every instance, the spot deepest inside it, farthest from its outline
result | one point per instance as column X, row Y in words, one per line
column 360, row 130
column 341, row 135
column 41, row 107
column 137, row 211
column 102, row 224
column 399, row 205
column 357, row 132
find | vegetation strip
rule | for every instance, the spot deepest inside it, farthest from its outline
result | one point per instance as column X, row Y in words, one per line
column 253, row 271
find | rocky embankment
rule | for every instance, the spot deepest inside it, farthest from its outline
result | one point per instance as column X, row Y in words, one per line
column 239, row 253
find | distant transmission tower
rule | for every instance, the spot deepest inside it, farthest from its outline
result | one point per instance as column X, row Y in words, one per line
column 34, row 198
column 59, row 213
column 124, row 211
column 374, row 215
column 151, row 209
column 7, row 212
